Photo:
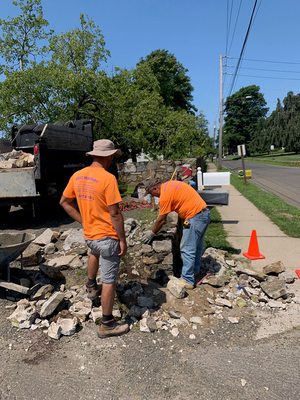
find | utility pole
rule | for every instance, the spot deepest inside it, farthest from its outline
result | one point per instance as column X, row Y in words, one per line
column 221, row 114
column 215, row 129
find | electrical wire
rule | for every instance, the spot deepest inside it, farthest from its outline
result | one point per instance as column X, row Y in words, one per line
column 266, row 61
column 243, row 48
column 266, row 69
column 235, row 25
column 267, row 77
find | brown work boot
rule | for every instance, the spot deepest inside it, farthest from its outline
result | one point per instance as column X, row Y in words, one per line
column 186, row 285
column 93, row 291
column 112, row 328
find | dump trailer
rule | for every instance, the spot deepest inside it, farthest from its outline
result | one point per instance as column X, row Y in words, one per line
column 58, row 151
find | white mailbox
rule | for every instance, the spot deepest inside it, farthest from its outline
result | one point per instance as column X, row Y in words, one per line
column 216, row 178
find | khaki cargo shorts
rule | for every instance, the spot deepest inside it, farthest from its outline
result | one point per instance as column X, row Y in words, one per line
column 107, row 250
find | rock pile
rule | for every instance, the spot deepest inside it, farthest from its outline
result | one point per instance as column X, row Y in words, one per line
column 16, row 159
column 149, row 296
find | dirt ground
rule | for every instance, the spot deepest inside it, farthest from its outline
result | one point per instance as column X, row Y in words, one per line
column 249, row 360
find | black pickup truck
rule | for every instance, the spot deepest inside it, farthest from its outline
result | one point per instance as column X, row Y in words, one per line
column 59, row 150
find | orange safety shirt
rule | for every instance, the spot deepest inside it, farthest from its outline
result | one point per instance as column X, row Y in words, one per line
column 94, row 189
column 180, row 197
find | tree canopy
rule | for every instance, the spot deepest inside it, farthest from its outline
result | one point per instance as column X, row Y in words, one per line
column 174, row 83
column 148, row 107
column 243, row 111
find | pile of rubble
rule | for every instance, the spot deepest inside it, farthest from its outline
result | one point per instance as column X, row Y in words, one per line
column 149, row 297
column 16, row 159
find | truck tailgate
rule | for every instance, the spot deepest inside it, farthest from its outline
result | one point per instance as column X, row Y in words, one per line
column 17, row 182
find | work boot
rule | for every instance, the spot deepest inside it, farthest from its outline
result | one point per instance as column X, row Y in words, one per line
column 185, row 284
column 112, row 328
column 93, row 291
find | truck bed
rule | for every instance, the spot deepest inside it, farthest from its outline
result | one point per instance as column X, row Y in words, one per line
column 17, row 183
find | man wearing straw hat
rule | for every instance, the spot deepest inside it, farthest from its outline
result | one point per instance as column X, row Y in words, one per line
column 191, row 208
column 97, row 196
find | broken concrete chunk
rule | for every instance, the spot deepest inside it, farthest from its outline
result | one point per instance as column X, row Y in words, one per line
column 74, row 239
column 62, row 262
column 51, row 304
column 97, row 314
column 23, row 316
column 148, row 324
column 234, row 320
column 162, row 246
column 49, row 248
column 45, row 238
column 32, row 255
column 274, row 288
column 251, row 272
column 223, row 302
column 196, row 320
column 54, row 331
column 42, row 291
column 274, row 268
column 67, row 325
column 175, row 288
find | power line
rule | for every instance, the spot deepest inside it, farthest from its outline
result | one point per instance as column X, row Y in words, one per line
column 243, row 48
column 235, row 25
column 266, row 69
column 267, row 77
column 265, row 61
column 228, row 23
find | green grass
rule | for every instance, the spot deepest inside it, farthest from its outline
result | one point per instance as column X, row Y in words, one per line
column 285, row 159
column 285, row 216
column 215, row 235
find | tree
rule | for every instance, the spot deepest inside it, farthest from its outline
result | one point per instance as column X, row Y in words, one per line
column 80, row 49
column 21, row 37
column 174, row 84
column 243, row 111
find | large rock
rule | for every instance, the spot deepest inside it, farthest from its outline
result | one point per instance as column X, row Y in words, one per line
column 62, row 262
column 274, row 288
column 162, row 246
column 67, row 325
column 51, row 304
column 45, row 238
column 175, row 287
column 32, row 255
column 42, row 291
column 274, row 269
column 81, row 309
column 54, row 331
column 51, row 272
column 250, row 272
column 23, row 316
column 74, row 239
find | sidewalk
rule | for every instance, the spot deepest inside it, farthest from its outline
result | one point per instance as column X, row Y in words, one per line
column 240, row 217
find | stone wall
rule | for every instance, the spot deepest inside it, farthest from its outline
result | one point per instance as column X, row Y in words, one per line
column 131, row 172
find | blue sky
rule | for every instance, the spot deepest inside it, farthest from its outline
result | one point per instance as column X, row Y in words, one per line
column 195, row 32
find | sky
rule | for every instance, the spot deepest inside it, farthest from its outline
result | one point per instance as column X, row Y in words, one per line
column 196, row 32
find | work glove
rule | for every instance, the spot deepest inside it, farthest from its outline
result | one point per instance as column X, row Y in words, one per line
column 148, row 237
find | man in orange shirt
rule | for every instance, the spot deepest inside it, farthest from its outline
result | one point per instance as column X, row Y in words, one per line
column 191, row 208
column 97, row 208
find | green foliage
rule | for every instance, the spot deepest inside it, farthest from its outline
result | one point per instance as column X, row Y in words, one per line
column 174, row 85
column 80, row 49
column 145, row 108
column 21, row 37
column 285, row 216
column 281, row 129
column 244, row 110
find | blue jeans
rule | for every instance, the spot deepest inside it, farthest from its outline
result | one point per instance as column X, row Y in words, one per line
column 191, row 245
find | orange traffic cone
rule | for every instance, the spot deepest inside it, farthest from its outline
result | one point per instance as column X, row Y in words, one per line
column 253, row 250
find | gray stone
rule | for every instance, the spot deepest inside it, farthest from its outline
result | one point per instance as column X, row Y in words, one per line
column 45, row 238
column 146, row 249
column 51, row 272
column 97, row 314
column 274, row 268
column 32, row 255
column 253, row 282
column 274, row 288
column 168, row 260
column 67, row 325
column 81, row 309
column 23, row 316
column 250, row 272
column 148, row 324
column 62, row 262
column 155, row 259
column 287, row 276
column 216, row 281
column 234, row 320
column 51, row 304
column 196, row 320
column 276, row 304
column 136, row 311
column 42, row 292
column 73, row 239
column 223, row 302
column 54, row 331
column 162, row 246
column 175, row 288
column 174, row 331
column 49, row 248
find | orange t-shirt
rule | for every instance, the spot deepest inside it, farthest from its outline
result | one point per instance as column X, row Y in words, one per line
column 180, row 197
column 94, row 189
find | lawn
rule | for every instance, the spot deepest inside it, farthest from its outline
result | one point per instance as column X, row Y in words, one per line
column 285, row 216
column 285, row 159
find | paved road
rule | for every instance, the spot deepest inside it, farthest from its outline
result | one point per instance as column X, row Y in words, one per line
column 284, row 182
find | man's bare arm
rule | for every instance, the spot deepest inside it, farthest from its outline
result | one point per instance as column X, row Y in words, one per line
column 158, row 224
column 70, row 208
column 118, row 223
